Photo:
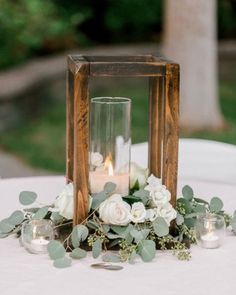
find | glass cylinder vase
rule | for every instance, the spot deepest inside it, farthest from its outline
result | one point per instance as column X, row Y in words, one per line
column 109, row 143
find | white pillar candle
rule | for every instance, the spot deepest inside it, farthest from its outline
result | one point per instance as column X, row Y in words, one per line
column 98, row 179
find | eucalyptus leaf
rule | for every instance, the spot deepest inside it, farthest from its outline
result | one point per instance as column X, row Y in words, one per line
column 147, row 250
column 78, row 253
column 200, row 208
column 112, row 236
column 185, row 204
column 6, row 226
column 109, row 187
column 198, row 200
column 2, row 235
column 62, row 262
column 113, row 243
column 56, row 250
column 16, row 217
column 190, row 222
column 132, row 199
column 179, row 219
column 92, row 224
column 143, row 195
column 79, row 234
column 120, row 230
column 106, row 228
column 137, row 235
column 187, row 192
column 41, row 213
column 97, row 248
column 160, row 227
column 111, row 257
column 98, row 198
column 27, row 197
column 191, row 215
column 31, row 210
column 56, row 217
column 216, row 205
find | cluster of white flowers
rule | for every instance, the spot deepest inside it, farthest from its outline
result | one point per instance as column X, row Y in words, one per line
column 116, row 211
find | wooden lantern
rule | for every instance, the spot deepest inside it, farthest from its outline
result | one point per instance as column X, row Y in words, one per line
column 163, row 117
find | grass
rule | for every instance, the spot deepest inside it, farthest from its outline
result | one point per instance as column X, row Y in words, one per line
column 41, row 142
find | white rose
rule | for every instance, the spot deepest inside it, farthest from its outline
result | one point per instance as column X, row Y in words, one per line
column 96, row 159
column 138, row 212
column 154, row 183
column 115, row 211
column 160, row 196
column 65, row 202
column 167, row 212
column 138, row 174
column 151, row 214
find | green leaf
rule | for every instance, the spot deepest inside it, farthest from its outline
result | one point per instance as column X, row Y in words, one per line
column 187, row 192
column 41, row 213
column 147, row 250
column 2, row 235
column 56, row 217
column 78, row 253
column 216, row 205
column 98, row 198
column 120, row 230
column 179, row 219
column 106, row 228
column 112, row 236
column 191, row 215
column 62, row 262
column 185, row 204
column 109, row 187
column 198, row 200
column 199, row 208
column 16, row 217
column 6, row 226
column 79, row 234
column 27, row 197
column 131, row 199
column 56, row 250
column 111, row 257
column 160, row 227
column 31, row 210
column 97, row 248
column 190, row 222
column 143, row 195
column 92, row 224
column 139, row 235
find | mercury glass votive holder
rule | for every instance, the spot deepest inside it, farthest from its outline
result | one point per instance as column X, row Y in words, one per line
column 36, row 234
column 110, row 143
column 210, row 230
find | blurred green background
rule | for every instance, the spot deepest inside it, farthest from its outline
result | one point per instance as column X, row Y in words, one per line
column 40, row 28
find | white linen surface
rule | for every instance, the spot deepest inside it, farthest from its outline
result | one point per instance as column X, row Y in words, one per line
column 208, row 168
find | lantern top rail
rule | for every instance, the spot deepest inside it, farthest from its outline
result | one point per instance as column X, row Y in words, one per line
column 123, row 65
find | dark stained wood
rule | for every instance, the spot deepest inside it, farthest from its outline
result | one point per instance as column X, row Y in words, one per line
column 69, row 125
column 163, row 111
column 81, row 138
column 156, row 123
column 171, row 130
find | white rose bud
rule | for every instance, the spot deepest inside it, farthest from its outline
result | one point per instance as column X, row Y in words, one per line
column 154, row 183
column 151, row 214
column 114, row 211
column 138, row 174
column 167, row 212
column 65, row 202
column 138, row 212
column 161, row 196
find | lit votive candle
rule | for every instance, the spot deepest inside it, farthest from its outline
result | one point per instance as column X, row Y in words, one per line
column 210, row 241
column 39, row 245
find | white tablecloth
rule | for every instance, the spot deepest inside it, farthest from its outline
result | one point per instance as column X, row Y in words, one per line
column 209, row 271
column 26, row 274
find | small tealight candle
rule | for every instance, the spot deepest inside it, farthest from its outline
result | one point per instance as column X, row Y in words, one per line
column 36, row 234
column 210, row 230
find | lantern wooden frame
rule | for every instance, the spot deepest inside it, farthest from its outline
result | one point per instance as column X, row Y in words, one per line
column 163, row 117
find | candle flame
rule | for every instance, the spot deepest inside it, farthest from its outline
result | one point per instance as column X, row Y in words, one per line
column 108, row 165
